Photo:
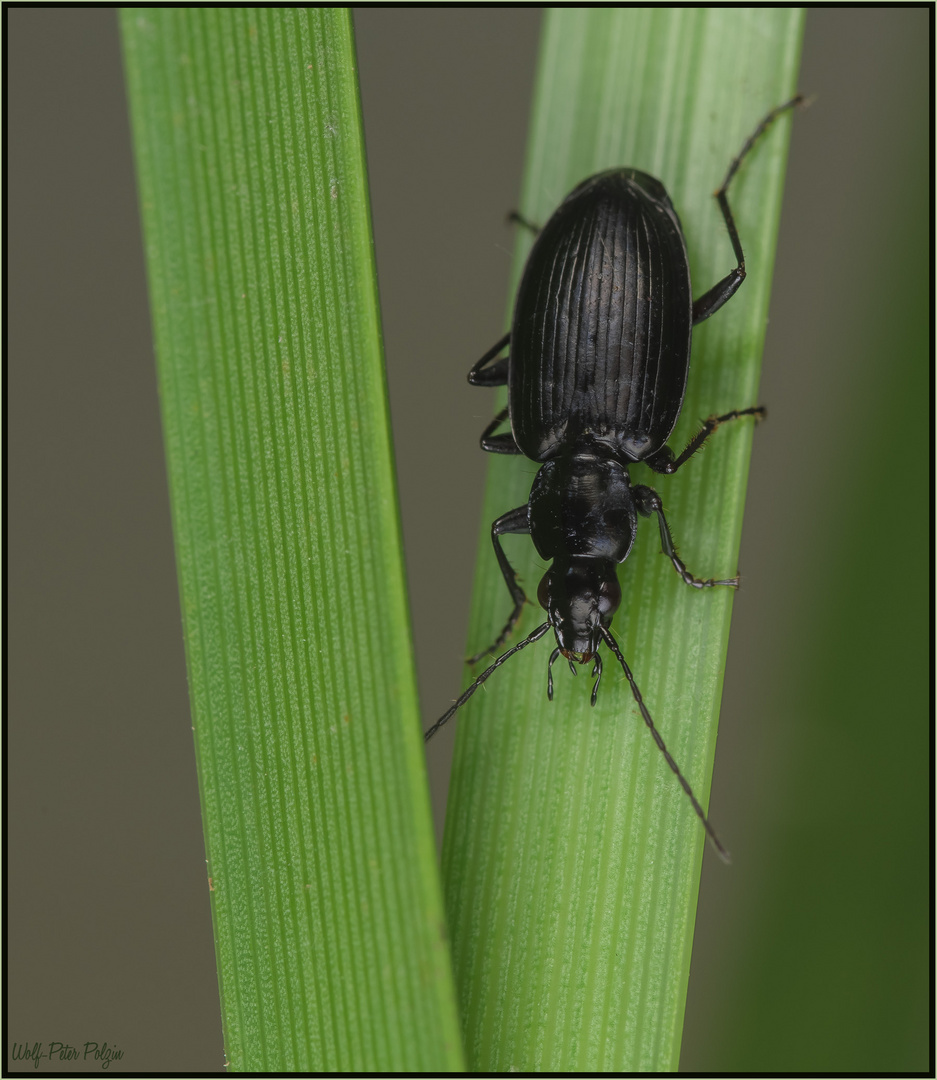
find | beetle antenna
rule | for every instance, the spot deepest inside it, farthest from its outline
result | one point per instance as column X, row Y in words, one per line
column 535, row 636
column 710, row 832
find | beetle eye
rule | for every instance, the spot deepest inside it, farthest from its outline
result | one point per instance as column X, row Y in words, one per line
column 543, row 595
column 609, row 595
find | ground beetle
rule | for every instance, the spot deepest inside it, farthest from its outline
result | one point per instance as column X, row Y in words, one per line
column 597, row 371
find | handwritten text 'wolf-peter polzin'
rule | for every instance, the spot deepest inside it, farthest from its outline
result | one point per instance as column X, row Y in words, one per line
column 63, row 1051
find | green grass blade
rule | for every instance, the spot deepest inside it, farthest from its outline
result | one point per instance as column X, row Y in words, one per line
column 572, row 857
column 326, row 905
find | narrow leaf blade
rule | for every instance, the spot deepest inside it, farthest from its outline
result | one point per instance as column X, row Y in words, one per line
column 572, row 856
column 327, row 911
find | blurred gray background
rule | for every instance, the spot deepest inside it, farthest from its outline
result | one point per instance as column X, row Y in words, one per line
column 812, row 950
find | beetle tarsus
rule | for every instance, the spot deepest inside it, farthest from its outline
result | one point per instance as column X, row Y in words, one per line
column 710, row 302
column 649, row 502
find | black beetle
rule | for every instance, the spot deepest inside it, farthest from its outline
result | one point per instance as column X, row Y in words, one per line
column 596, row 375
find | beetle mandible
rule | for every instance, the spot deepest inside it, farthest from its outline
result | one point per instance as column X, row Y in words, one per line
column 596, row 375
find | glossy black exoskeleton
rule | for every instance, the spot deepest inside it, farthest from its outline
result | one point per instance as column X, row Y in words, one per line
column 596, row 375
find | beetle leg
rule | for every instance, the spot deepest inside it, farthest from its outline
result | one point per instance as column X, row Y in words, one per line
column 648, row 502
column 518, row 219
column 664, row 462
column 515, row 521
column 499, row 444
column 497, row 374
column 710, row 302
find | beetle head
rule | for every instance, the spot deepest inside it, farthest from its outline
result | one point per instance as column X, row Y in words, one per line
column 580, row 597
